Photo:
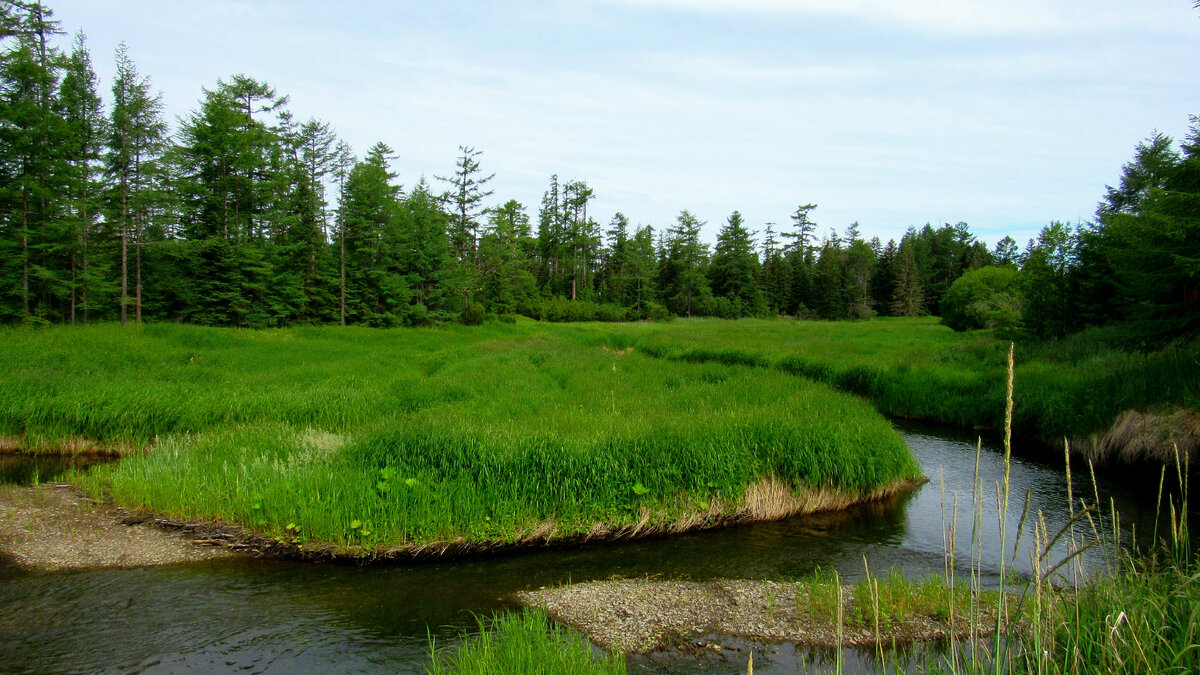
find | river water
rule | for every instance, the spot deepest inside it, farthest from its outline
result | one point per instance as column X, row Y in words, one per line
column 284, row 617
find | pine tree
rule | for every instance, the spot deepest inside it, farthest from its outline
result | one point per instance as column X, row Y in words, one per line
column 800, row 258
column 1048, row 310
column 367, row 208
column 506, row 258
column 33, row 189
column 643, row 271
column 84, row 114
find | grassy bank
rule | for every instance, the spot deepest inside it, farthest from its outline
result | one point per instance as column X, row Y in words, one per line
column 919, row 369
column 366, row 441
column 524, row 642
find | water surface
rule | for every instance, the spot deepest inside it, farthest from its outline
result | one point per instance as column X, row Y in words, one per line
column 265, row 616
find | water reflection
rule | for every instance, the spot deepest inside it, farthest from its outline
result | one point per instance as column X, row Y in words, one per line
column 272, row 616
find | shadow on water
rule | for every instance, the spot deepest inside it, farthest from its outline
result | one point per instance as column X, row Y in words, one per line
column 277, row 616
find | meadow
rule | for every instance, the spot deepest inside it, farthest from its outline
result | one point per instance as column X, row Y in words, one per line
column 917, row 368
column 363, row 441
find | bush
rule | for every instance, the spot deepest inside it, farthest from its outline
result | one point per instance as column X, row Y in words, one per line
column 983, row 298
column 560, row 309
column 472, row 314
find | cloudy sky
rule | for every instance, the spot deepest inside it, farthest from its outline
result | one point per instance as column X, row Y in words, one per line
column 1002, row 114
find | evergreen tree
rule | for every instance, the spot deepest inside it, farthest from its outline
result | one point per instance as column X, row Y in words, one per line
column 33, row 189
column 800, row 257
column 883, row 280
column 1153, row 240
column 613, row 279
column 1006, row 253
column 367, row 207
column 1048, row 308
column 682, row 275
column 733, row 274
column 429, row 285
column 343, row 163
column 464, row 201
column 136, row 143
column 643, row 271
column 506, row 256
column 84, row 114
column 907, row 298
column 858, row 266
column 776, row 278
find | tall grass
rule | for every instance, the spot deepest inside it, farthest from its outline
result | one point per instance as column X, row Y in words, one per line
column 524, row 642
column 1138, row 613
column 369, row 440
column 917, row 368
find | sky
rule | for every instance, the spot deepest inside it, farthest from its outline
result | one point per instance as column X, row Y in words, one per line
column 1006, row 115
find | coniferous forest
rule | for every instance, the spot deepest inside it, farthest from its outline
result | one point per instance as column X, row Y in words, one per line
column 246, row 216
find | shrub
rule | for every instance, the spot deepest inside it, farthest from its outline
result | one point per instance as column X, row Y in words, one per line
column 472, row 314
column 983, row 298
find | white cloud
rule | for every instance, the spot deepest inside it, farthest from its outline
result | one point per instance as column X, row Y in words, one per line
column 956, row 17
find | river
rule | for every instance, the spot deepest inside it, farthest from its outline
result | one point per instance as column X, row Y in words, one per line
column 270, row 616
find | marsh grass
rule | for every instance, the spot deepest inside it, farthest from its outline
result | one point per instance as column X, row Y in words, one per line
column 523, row 642
column 1138, row 612
column 918, row 368
column 367, row 441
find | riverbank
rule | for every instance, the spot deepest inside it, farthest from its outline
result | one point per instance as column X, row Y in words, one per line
column 1116, row 407
column 632, row 616
column 385, row 444
column 53, row 527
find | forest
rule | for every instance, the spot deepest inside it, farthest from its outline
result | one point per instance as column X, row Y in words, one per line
column 246, row 216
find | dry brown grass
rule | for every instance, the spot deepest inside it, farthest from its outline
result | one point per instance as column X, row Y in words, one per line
column 1139, row 437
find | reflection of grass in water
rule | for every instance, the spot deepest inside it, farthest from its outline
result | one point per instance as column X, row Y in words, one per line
column 34, row 470
column 524, row 642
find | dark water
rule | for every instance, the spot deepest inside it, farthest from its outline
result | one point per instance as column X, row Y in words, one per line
column 33, row 469
column 273, row 616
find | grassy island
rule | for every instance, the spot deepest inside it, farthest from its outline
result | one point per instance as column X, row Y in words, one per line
column 370, row 442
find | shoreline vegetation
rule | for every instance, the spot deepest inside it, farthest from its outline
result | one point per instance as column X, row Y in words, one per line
column 1115, row 408
column 357, row 442
column 1136, row 614
column 452, row 440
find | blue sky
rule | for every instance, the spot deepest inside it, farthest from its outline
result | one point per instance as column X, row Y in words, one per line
column 1005, row 115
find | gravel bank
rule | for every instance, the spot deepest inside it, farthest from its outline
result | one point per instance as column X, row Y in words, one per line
column 638, row 616
column 54, row 527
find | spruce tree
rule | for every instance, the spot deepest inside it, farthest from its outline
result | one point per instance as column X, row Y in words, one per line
column 683, row 275
column 907, row 298
column 136, row 142
column 464, row 202
column 734, row 271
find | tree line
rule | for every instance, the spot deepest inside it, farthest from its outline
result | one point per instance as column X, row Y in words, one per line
column 245, row 216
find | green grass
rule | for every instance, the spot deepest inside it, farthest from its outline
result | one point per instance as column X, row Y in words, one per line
column 886, row 603
column 918, row 368
column 524, row 642
column 367, row 440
